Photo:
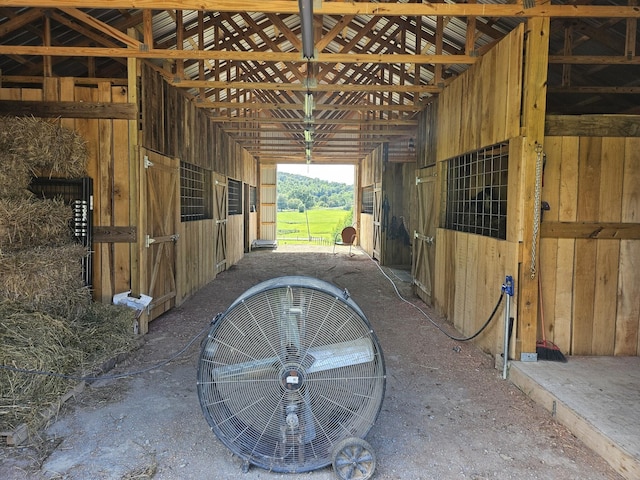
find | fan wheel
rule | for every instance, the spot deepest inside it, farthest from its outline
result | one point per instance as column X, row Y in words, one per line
column 353, row 459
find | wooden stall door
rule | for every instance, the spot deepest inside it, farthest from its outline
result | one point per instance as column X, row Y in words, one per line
column 162, row 186
column 377, row 221
column 220, row 209
column 424, row 238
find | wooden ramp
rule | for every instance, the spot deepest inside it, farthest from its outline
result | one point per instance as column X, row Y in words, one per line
column 597, row 398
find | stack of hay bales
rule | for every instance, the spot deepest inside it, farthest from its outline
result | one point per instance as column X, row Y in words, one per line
column 48, row 322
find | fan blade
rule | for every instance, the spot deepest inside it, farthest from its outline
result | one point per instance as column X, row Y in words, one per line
column 342, row 354
column 325, row 357
column 247, row 370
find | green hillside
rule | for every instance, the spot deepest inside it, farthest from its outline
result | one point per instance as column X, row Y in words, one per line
column 312, row 210
column 295, row 190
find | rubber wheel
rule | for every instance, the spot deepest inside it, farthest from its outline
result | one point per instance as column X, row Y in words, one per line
column 353, row 459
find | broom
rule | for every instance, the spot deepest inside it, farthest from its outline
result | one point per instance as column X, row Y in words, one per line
column 545, row 349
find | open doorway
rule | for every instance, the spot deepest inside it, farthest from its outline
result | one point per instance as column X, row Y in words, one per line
column 314, row 202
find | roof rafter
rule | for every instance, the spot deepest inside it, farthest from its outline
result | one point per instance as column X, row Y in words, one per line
column 356, row 8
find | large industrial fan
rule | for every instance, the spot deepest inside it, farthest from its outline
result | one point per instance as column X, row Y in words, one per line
column 291, row 378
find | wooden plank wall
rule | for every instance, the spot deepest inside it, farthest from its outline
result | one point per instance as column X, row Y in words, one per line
column 478, row 109
column 108, row 166
column 398, row 186
column 482, row 106
column 427, row 135
column 590, row 281
column 174, row 126
column 369, row 173
column 268, row 201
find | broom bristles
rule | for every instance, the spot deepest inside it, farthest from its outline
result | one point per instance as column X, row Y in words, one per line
column 549, row 351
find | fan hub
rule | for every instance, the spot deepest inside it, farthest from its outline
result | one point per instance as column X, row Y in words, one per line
column 292, row 378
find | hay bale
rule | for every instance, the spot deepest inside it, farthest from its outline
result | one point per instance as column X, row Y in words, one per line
column 15, row 177
column 105, row 331
column 46, row 279
column 33, row 341
column 48, row 148
column 37, row 341
column 30, row 222
column 5, row 134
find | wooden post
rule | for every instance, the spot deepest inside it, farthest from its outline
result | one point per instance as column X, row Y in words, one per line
column 134, row 183
column 533, row 118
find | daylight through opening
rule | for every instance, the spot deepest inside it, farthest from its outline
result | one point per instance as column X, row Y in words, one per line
column 314, row 202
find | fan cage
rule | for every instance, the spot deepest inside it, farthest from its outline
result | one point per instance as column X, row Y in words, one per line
column 289, row 370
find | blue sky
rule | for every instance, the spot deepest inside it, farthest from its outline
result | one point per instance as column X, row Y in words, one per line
column 331, row 173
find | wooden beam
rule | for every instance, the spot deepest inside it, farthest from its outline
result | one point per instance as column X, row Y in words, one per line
column 300, row 87
column 594, row 89
column 47, row 66
column 147, row 28
column 318, row 121
column 101, row 26
column 20, row 21
column 592, row 125
column 241, row 56
column 594, row 60
column 593, row 230
column 352, row 135
column 300, row 106
column 354, row 8
column 631, row 34
column 123, row 111
column 111, row 234
column 77, row 80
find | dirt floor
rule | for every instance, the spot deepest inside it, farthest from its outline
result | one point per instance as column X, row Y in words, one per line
column 447, row 413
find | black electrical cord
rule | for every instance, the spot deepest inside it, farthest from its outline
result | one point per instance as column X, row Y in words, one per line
column 186, row 347
column 433, row 322
column 105, row 377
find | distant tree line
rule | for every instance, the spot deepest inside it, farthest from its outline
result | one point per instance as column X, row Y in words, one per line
column 297, row 192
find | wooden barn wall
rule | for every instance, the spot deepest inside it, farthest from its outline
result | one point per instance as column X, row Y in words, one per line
column 108, row 166
column 482, row 106
column 173, row 126
column 369, row 173
column 478, row 109
column 590, row 245
column 398, row 187
column 427, row 135
column 268, row 201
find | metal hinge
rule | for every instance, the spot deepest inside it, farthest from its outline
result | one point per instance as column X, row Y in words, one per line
column 424, row 238
column 148, row 240
column 147, row 163
column 420, row 180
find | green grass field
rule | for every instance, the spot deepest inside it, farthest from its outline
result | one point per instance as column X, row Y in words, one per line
column 322, row 226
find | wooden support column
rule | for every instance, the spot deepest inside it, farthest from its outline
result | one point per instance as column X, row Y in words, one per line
column 147, row 22
column 135, row 215
column 201, row 74
column 568, row 50
column 437, row 76
column 47, row 64
column 470, row 42
column 179, row 43
column 630, row 37
column 533, row 120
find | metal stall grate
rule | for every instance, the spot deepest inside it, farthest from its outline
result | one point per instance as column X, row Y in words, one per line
column 477, row 192
column 78, row 193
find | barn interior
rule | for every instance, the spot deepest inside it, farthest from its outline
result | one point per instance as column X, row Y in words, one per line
column 504, row 135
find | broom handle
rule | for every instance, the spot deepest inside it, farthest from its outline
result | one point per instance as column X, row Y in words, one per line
column 544, row 334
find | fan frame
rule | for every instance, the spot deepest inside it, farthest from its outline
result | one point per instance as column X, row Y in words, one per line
column 293, row 282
